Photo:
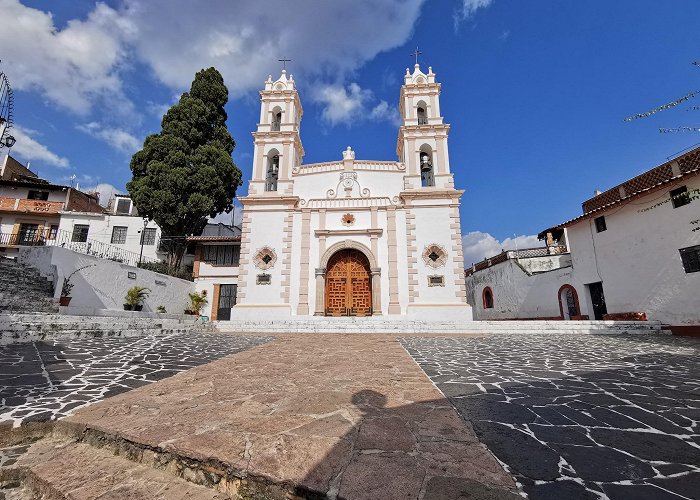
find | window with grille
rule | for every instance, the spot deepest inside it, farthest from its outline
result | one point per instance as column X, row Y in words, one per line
column 222, row 255
column 690, row 257
column 123, row 206
column 119, row 235
column 600, row 225
column 680, row 196
column 148, row 236
column 80, row 233
column 28, row 233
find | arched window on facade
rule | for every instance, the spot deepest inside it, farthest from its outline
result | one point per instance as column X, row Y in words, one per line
column 427, row 175
column 276, row 119
column 273, row 168
column 487, row 296
column 421, row 112
column 568, row 302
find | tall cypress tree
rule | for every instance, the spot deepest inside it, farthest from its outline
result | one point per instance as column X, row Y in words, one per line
column 185, row 173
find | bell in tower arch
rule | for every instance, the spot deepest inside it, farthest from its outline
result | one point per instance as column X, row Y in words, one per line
column 426, row 170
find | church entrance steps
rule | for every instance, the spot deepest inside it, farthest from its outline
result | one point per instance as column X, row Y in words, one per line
column 28, row 327
column 300, row 417
column 402, row 326
column 60, row 469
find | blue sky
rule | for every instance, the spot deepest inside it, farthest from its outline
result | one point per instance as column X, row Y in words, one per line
column 535, row 91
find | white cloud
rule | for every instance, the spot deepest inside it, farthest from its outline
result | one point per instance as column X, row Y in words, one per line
column 84, row 63
column 119, row 139
column 478, row 246
column 29, row 149
column 468, row 8
column 235, row 217
column 72, row 67
column 106, row 192
column 245, row 39
column 351, row 104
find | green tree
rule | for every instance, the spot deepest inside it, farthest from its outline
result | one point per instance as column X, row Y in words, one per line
column 185, row 173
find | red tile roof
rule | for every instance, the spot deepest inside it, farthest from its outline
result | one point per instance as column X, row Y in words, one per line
column 675, row 169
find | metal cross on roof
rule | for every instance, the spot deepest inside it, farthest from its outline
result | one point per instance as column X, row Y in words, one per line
column 284, row 62
column 416, row 54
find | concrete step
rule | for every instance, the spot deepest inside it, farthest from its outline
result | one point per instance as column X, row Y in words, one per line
column 37, row 336
column 55, row 469
column 381, row 325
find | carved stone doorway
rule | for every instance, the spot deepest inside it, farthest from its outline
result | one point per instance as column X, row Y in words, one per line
column 348, row 284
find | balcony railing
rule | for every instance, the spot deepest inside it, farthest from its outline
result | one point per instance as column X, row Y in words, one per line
column 526, row 253
column 31, row 206
column 65, row 239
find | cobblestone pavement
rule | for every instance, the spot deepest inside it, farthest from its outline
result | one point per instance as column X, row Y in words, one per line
column 579, row 417
column 47, row 380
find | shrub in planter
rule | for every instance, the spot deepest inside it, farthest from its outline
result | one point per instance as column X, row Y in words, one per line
column 134, row 298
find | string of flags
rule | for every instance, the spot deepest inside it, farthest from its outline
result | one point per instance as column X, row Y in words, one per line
column 679, row 129
column 661, row 108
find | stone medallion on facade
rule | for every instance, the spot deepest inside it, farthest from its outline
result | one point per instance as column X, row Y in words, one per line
column 265, row 258
column 434, row 256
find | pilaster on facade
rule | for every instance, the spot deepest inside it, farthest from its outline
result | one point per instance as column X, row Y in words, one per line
column 244, row 261
column 303, row 307
column 287, row 256
column 412, row 254
column 458, row 255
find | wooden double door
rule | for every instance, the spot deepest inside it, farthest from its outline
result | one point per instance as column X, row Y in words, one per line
column 348, row 284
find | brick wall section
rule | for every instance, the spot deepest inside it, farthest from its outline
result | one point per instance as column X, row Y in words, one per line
column 80, row 202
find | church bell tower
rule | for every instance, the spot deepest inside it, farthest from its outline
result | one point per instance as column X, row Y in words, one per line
column 278, row 146
column 422, row 141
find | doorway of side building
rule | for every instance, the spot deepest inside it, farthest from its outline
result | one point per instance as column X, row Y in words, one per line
column 227, row 299
column 568, row 302
column 348, row 284
column 597, row 299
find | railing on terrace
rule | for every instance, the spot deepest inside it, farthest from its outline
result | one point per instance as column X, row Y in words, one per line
column 65, row 239
column 526, row 253
column 31, row 206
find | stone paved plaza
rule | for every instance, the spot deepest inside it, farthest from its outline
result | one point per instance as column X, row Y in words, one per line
column 353, row 416
column 579, row 416
column 47, row 380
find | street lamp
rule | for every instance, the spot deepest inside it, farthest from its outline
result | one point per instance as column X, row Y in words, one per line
column 143, row 238
column 9, row 140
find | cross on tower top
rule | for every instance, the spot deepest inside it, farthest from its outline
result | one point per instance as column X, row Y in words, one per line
column 416, row 54
column 284, row 62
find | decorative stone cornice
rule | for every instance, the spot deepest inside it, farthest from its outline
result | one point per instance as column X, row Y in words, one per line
column 268, row 198
column 348, row 232
column 408, row 197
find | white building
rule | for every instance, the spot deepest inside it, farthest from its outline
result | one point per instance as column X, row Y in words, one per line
column 351, row 237
column 217, row 254
column 634, row 253
column 119, row 227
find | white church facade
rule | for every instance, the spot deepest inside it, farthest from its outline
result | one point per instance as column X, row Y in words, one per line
column 352, row 237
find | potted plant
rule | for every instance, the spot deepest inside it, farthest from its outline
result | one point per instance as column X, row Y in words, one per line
column 135, row 297
column 67, row 286
column 197, row 301
column 65, row 292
